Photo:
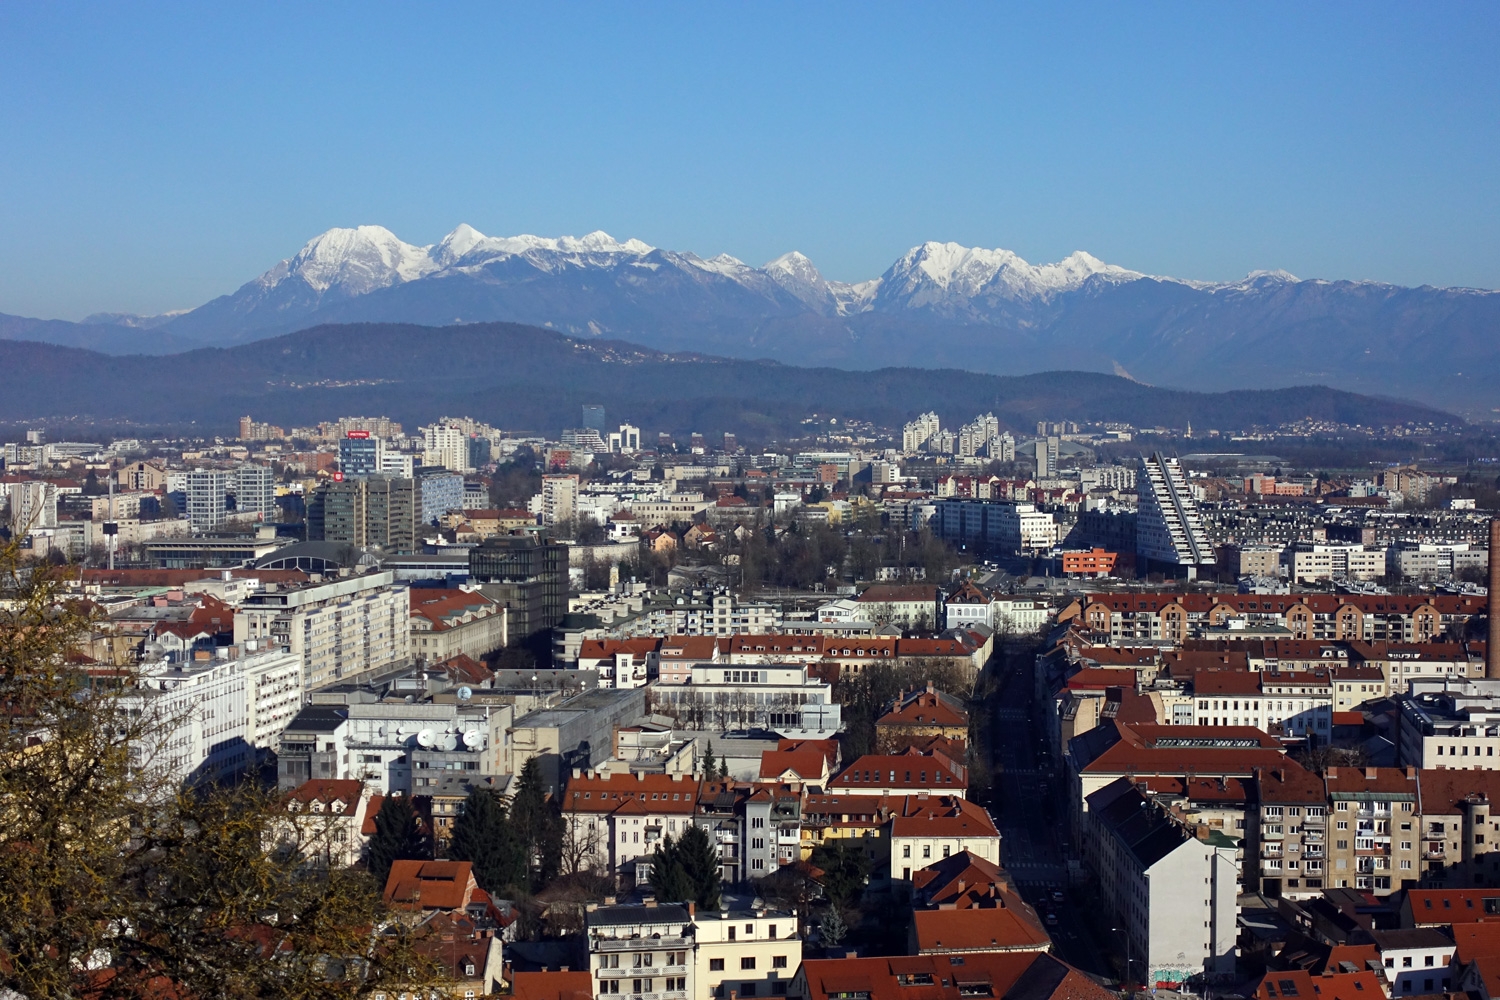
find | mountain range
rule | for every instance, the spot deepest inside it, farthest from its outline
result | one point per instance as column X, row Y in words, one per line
column 522, row 377
column 939, row 305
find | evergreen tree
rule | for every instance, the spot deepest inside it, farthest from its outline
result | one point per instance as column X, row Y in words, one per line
column 538, row 827
column 710, row 768
column 483, row 835
column 699, row 859
column 398, row 837
column 845, row 871
column 668, row 878
column 833, row 927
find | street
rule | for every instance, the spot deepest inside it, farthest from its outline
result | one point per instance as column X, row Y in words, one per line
column 1030, row 810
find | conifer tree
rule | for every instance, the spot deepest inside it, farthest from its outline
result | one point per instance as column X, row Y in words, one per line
column 483, row 835
column 538, row 827
column 399, row 836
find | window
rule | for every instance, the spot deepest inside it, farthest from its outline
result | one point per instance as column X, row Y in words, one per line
column 715, row 965
column 926, row 850
column 747, row 989
column 778, row 962
column 906, row 850
column 771, row 932
column 747, row 964
column 609, row 986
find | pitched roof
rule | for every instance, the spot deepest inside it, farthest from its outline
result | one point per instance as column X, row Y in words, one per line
column 986, row 929
column 654, row 793
column 445, row 609
column 1295, row 984
column 909, row 768
column 430, row 885
column 576, row 985
column 327, row 791
column 810, row 764
column 925, row 707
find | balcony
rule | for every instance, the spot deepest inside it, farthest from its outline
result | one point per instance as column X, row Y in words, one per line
column 1312, row 850
column 1268, row 835
column 1434, row 852
column 1270, row 850
column 1312, row 836
column 639, row 943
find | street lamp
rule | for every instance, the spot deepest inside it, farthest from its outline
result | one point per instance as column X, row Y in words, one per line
column 1126, row 933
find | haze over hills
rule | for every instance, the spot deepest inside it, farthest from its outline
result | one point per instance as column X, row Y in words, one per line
column 938, row 305
column 527, row 377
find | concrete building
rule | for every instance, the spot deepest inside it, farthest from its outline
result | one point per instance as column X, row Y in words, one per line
column 529, row 576
column 342, row 628
column 1173, row 889
column 1435, row 560
column 785, row 698
column 369, row 512
column 207, row 498
column 998, row 526
column 640, row 952
column 1450, row 723
column 574, row 734
column 1314, row 562
column 255, row 491
column 447, row 446
column 559, row 498
column 33, row 505
column 745, row 953
column 1169, row 529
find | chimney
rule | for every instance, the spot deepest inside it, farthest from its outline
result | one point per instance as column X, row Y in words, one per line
column 1492, row 648
column 692, row 909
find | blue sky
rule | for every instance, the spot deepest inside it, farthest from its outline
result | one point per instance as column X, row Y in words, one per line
column 152, row 156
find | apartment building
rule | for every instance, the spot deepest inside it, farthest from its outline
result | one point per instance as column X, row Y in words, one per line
column 369, row 512
column 1178, row 616
column 1173, row 888
column 642, row 952
column 1314, row 562
column 1169, row 529
column 616, row 820
column 998, row 526
column 1287, row 833
column 255, row 491
column 559, row 498
column 447, row 445
column 1292, row 702
column 745, row 953
column 1374, row 843
column 447, row 623
column 342, row 628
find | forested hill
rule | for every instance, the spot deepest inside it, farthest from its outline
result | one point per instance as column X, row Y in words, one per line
column 531, row 378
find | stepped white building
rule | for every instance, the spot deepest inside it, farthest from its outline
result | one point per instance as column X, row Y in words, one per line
column 1168, row 527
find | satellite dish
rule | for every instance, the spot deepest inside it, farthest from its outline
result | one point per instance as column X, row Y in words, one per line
column 450, row 742
column 464, row 694
column 402, row 731
column 425, row 738
column 472, row 739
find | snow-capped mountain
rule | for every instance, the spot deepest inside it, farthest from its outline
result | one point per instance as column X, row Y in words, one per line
column 938, row 304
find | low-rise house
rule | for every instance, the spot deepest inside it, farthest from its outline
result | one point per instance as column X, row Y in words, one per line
column 448, row 623
column 326, row 818
column 906, row 773
column 921, row 713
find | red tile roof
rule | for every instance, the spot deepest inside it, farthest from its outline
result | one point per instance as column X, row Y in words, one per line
column 809, row 765
column 578, row 985
column 986, row 929
column 655, row 793
column 430, row 885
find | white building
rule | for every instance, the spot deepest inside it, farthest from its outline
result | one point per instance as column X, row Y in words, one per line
column 1311, row 562
column 1171, row 888
column 255, row 491
column 1450, row 723
column 916, row 435
column 1299, row 702
column 214, row 713
column 447, row 445
column 33, row 505
column 642, row 951
column 559, row 498
column 207, row 498
column 1168, row 526
column 1435, row 560
column 396, row 464
column 342, row 628
column 784, row 698
column 625, row 441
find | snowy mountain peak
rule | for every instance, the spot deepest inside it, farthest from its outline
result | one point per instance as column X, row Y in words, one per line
column 358, row 260
column 954, row 279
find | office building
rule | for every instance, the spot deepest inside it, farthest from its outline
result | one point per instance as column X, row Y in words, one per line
column 255, row 491
column 360, row 455
column 207, row 498
column 375, row 512
column 1044, row 452
column 33, row 505
column 440, row 492
column 593, row 417
column 529, row 575
column 1169, row 530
